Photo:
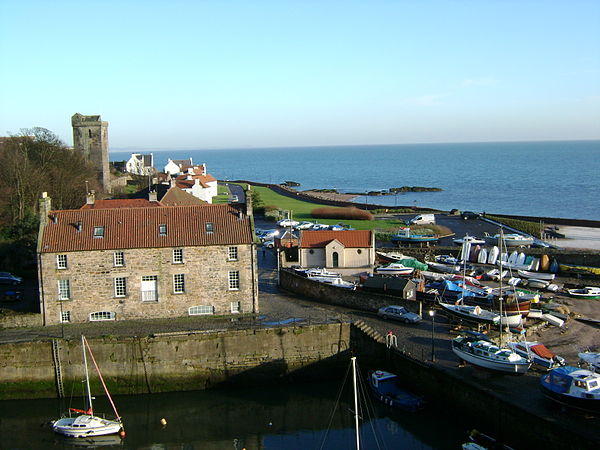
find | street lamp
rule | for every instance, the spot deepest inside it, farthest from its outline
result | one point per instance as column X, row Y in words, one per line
column 432, row 314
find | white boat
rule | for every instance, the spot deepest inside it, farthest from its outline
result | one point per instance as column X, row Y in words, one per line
column 538, row 353
column 536, row 275
column 494, row 274
column 394, row 269
column 322, row 273
column 478, row 350
column 510, row 240
column 482, row 257
column 493, row 255
column 553, row 320
column 589, row 293
column 534, row 283
column 572, row 386
column 470, row 239
column 86, row 424
column 444, row 268
column 471, row 313
column 339, row 282
column 511, row 319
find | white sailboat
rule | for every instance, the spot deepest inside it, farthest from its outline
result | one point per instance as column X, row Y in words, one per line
column 86, row 424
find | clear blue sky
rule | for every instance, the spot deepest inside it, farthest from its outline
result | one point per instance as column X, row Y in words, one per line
column 227, row 73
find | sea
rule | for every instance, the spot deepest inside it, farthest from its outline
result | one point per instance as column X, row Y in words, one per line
column 543, row 179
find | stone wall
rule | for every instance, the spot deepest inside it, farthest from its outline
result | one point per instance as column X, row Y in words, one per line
column 176, row 362
column 332, row 295
column 92, row 274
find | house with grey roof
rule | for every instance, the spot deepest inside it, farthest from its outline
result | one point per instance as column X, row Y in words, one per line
column 115, row 262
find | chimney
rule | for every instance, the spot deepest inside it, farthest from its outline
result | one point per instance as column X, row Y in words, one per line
column 45, row 207
column 248, row 195
column 203, row 169
column 153, row 196
column 90, row 198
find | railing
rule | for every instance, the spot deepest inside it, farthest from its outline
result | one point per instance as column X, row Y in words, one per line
column 149, row 296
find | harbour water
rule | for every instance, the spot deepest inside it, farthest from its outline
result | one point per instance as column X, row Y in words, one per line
column 548, row 179
column 281, row 416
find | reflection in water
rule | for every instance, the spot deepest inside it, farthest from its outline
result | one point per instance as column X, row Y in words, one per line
column 280, row 416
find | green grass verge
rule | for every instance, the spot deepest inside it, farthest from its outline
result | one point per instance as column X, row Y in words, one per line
column 532, row 228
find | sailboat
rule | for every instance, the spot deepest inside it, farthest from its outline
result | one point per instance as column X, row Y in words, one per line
column 478, row 350
column 86, row 424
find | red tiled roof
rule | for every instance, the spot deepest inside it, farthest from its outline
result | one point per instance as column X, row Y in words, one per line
column 178, row 197
column 183, row 183
column 348, row 238
column 121, row 203
column 139, row 228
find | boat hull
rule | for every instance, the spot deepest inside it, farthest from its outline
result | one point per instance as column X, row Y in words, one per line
column 497, row 366
column 94, row 426
column 584, row 404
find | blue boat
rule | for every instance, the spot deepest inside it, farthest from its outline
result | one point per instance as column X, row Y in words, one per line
column 572, row 386
column 404, row 236
column 384, row 386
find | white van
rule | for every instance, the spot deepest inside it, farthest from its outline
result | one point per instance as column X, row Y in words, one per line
column 422, row 219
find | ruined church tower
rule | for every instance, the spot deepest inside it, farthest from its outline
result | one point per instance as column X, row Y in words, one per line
column 90, row 137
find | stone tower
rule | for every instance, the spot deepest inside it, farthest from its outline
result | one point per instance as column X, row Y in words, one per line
column 90, row 137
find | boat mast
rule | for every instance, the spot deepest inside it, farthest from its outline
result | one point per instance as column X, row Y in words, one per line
column 87, row 376
column 355, row 402
column 500, row 299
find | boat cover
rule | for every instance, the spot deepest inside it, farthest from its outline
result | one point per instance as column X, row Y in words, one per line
column 543, row 351
column 412, row 262
column 559, row 379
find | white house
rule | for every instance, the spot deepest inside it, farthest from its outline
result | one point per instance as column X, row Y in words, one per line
column 140, row 164
column 198, row 182
column 177, row 166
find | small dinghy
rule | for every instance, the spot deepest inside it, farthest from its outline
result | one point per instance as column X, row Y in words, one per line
column 384, row 386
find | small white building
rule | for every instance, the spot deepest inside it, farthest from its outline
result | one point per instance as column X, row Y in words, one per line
column 336, row 249
column 140, row 164
column 177, row 166
column 198, row 182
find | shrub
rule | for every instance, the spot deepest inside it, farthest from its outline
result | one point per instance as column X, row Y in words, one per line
column 270, row 208
column 350, row 213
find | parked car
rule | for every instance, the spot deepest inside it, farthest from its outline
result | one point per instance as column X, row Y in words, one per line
column 265, row 235
column 10, row 296
column 269, row 243
column 469, row 215
column 399, row 313
column 422, row 219
column 336, row 228
column 304, row 226
column 9, row 278
column 287, row 223
column 320, row 226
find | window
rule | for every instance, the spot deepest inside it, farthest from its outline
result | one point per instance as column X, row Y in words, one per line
column 61, row 261
column 120, row 287
column 201, row 310
column 64, row 290
column 234, row 280
column 209, row 227
column 119, row 259
column 178, row 283
column 162, row 229
column 89, row 133
column 65, row 316
column 98, row 232
column 359, row 251
column 177, row 256
column 236, row 307
column 102, row 315
column 233, row 254
column 150, row 288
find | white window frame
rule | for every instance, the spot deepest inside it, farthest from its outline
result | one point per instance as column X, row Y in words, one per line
column 119, row 259
column 234, row 280
column 232, row 254
column 235, row 307
column 177, row 256
column 201, row 310
column 102, row 316
column 64, row 290
column 61, row 262
column 178, row 283
column 120, row 285
column 150, row 296
column 65, row 317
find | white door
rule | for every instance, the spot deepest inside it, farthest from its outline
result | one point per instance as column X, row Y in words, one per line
column 149, row 288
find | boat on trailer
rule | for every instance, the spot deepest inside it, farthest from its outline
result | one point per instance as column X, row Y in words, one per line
column 479, row 350
column 538, row 353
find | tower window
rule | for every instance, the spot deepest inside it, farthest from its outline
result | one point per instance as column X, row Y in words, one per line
column 89, row 133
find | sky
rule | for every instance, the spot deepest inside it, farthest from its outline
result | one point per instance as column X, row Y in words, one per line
column 199, row 74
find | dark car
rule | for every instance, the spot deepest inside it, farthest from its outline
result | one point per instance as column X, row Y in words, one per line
column 470, row 215
column 10, row 296
column 9, row 278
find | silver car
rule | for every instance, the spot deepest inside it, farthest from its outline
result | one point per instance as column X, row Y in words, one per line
column 399, row 313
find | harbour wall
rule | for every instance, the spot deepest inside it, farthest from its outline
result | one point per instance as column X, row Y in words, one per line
column 177, row 361
column 333, row 295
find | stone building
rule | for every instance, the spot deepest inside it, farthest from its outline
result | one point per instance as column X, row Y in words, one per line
column 100, row 264
column 332, row 249
column 90, row 137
